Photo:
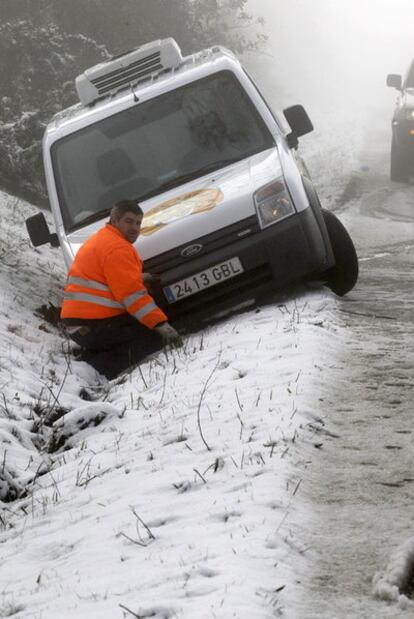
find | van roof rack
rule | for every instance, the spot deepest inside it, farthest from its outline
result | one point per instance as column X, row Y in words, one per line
column 126, row 69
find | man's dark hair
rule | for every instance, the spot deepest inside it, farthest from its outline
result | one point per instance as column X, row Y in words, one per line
column 125, row 206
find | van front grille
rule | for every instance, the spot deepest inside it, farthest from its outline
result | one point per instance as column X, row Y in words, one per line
column 210, row 243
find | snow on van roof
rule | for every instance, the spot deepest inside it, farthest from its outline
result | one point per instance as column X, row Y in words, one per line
column 126, row 69
column 198, row 58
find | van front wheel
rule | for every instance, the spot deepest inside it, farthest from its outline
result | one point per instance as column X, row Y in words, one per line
column 342, row 277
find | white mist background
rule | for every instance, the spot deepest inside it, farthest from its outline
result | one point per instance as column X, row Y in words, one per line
column 329, row 54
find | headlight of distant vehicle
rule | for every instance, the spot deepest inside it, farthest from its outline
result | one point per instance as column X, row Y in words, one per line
column 273, row 203
column 409, row 114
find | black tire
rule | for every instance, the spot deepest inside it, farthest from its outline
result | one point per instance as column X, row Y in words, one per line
column 342, row 277
column 399, row 171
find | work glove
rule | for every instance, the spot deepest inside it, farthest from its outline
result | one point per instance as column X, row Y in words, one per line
column 170, row 337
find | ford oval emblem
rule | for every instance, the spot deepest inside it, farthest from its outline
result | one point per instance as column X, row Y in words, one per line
column 191, row 250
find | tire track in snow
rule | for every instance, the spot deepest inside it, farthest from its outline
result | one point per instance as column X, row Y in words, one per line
column 360, row 488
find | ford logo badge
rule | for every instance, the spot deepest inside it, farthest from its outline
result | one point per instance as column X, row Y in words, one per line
column 191, row 250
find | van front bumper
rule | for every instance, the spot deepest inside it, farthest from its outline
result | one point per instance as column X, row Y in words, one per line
column 289, row 251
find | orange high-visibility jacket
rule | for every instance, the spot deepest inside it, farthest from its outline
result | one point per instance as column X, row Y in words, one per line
column 105, row 279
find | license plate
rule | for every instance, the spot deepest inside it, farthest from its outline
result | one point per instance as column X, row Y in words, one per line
column 203, row 279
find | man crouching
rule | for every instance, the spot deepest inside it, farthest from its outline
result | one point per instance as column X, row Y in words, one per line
column 107, row 309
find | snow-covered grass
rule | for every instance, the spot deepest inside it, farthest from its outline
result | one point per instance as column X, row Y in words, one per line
column 169, row 491
column 174, row 491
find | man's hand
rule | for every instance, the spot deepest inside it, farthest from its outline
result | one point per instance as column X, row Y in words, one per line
column 170, row 336
column 150, row 280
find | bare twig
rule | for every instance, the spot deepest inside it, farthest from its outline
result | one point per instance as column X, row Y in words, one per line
column 130, row 611
column 238, row 400
column 272, row 445
column 142, row 376
column 163, row 390
column 79, row 474
column 146, row 527
column 174, row 369
column 55, row 484
column 37, row 473
column 297, row 487
column 282, row 521
column 241, row 425
column 216, row 465
column 56, row 398
column 201, row 400
column 6, row 408
column 200, row 475
column 85, row 482
column 134, row 541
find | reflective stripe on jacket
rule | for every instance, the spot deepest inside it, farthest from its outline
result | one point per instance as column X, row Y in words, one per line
column 105, row 279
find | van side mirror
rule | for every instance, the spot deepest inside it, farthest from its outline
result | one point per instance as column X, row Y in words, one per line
column 394, row 81
column 299, row 122
column 39, row 232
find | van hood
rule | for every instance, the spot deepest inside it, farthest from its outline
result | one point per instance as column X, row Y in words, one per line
column 199, row 207
column 206, row 204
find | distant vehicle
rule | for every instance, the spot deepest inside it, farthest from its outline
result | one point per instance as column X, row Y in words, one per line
column 402, row 144
column 228, row 203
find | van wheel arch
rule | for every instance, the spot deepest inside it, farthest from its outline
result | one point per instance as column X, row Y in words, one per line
column 342, row 277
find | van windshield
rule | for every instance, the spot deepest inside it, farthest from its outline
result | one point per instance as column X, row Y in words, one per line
column 156, row 145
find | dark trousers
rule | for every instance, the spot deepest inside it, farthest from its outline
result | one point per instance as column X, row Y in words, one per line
column 112, row 345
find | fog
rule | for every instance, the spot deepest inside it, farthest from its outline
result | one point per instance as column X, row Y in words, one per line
column 329, row 54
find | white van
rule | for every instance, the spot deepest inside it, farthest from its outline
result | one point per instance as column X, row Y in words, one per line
column 227, row 201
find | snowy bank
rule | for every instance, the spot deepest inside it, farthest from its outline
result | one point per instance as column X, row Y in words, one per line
column 169, row 491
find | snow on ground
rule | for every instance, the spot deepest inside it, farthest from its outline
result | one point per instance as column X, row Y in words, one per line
column 167, row 492
column 174, row 491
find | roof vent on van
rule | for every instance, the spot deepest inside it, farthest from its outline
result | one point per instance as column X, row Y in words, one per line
column 108, row 77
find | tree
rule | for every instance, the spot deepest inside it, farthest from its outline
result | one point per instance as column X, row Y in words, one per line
column 44, row 52
column 39, row 63
column 193, row 23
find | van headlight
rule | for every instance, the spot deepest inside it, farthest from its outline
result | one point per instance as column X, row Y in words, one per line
column 273, row 203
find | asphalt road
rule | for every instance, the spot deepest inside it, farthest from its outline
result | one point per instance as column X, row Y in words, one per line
column 360, row 487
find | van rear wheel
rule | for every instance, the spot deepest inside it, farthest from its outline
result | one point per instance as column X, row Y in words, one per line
column 342, row 277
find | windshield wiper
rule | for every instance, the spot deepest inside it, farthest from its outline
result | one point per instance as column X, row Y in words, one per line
column 91, row 218
column 185, row 178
